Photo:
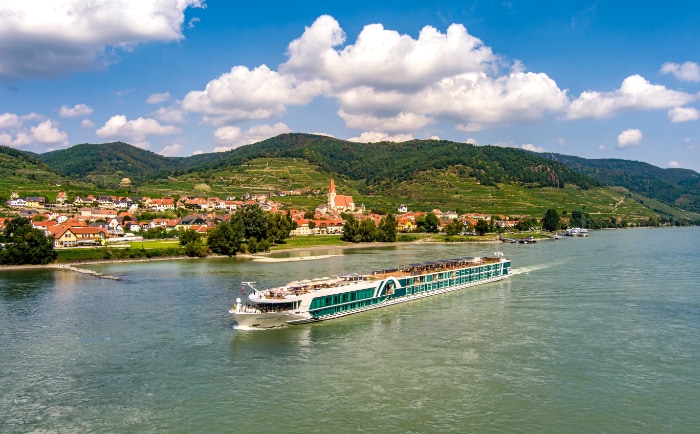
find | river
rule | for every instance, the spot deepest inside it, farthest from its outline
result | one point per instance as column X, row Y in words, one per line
column 597, row 334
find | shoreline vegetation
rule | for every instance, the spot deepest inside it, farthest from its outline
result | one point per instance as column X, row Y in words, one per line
column 319, row 245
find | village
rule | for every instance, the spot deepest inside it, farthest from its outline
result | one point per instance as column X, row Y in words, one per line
column 100, row 220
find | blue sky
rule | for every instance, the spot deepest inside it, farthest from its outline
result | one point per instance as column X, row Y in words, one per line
column 177, row 77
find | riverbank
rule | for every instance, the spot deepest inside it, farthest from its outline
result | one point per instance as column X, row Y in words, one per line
column 261, row 257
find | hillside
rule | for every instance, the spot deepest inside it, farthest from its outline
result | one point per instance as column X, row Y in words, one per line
column 423, row 174
column 385, row 163
column 24, row 173
column 675, row 187
column 106, row 164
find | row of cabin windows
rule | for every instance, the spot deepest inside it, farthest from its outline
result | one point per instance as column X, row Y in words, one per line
column 362, row 298
column 345, row 307
column 364, row 294
column 415, row 289
column 346, row 297
column 453, row 274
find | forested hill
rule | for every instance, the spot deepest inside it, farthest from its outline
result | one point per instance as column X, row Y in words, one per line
column 23, row 169
column 676, row 187
column 376, row 163
column 107, row 163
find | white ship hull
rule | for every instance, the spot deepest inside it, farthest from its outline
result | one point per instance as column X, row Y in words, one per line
column 265, row 320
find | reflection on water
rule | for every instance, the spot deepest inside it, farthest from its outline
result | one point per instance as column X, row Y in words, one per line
column 26, row 284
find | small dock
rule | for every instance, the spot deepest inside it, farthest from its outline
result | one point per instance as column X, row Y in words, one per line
column 528, row 240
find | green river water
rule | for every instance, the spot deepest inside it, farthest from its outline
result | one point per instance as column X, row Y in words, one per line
column 597, row 334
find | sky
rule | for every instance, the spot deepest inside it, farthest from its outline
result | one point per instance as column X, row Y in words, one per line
column 595, row 79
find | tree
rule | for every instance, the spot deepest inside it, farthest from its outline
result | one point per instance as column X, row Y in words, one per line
column 227, row 238
column 454, row 228
column 157, row 232
column 551, row 221
column 278, row 227
column 428, row 223
column 526, row 223
column 387, row 229
column 187, row 236
column 25, row 245
column 482, row 227
column 191, row 240
column 351, row 229
column 255, row 222
column 368, row 230
column 195, row 249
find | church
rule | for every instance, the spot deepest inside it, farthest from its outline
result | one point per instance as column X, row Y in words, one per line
column 338, row 202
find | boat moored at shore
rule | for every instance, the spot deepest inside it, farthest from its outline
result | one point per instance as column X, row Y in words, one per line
column 328, row 298
column 577, row 232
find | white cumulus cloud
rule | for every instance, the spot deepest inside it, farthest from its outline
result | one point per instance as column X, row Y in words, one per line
column 158, row 98
column 172, row 150
column 15, row 132
column 687, row 71
column 449, row 75
column 533, row 148
column 231, row 137
column 55, row 37
column 481, row 99
column 87, row 123
column 403, row 121
column 10, row 121
column 134, row 131
column 383, row 58
column 173, row 114
column 244, row 94
column 683, row 114
column 378, row 136
column 20, row 139
column 48, row 132
column 629, row 137
column 674, row 164
column 635, row 93
column 75, row 111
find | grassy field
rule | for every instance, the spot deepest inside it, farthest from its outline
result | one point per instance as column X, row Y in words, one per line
column 153, row 244
column 311, row 241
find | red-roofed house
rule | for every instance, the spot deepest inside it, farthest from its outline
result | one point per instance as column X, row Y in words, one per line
column 45, row 226
column 161, row 204
column 66, row 236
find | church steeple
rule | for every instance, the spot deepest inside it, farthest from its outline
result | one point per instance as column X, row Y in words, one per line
column 331, row 196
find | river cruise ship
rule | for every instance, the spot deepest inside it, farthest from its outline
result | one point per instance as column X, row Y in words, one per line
column 328, row 298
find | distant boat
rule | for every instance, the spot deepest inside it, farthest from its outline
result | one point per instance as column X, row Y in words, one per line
column 325, row 298
column 577, row 232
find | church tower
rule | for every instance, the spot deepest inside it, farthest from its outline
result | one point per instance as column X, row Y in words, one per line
column 331, row 196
